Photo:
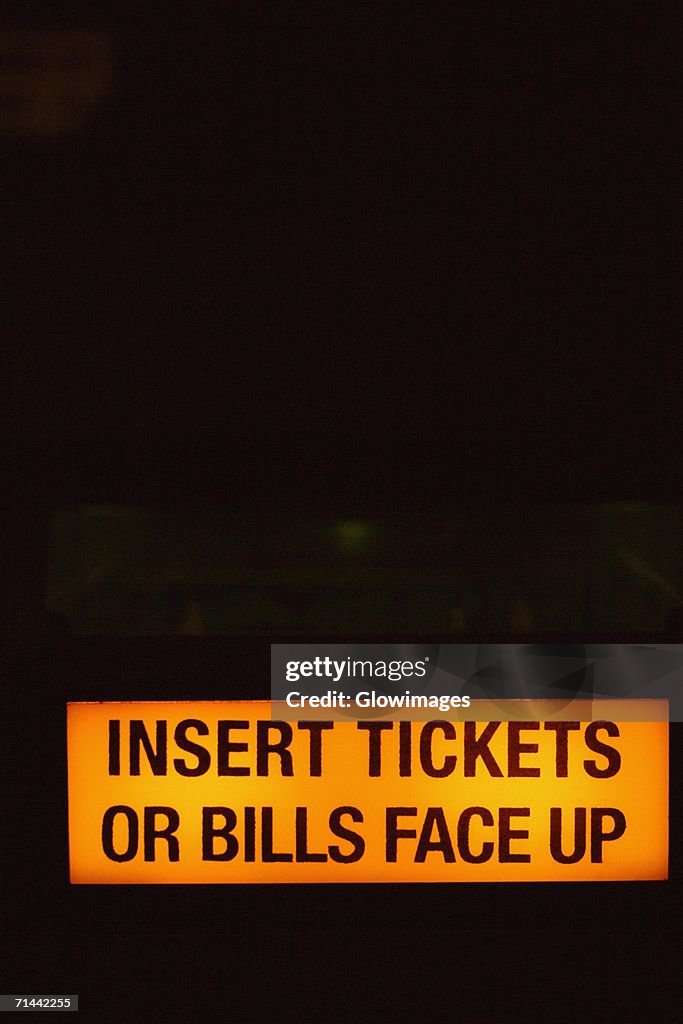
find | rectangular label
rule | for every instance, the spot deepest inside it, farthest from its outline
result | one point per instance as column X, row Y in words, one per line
column 224, row 792
column 38, row 1002
column 457, row 681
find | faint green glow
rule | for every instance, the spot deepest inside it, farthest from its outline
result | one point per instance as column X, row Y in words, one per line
column 353, row 535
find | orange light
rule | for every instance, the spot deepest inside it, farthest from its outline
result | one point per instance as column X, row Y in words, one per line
column 221, row 792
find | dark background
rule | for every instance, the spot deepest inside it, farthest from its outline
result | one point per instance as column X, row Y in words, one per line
column 342, row 259
column 340, row 254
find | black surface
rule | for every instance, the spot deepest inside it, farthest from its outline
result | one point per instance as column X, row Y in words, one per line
column 351, row 258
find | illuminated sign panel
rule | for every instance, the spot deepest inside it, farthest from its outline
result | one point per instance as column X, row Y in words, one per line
column 223, row 792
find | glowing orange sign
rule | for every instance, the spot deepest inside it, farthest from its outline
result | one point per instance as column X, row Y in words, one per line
column 201, row 792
